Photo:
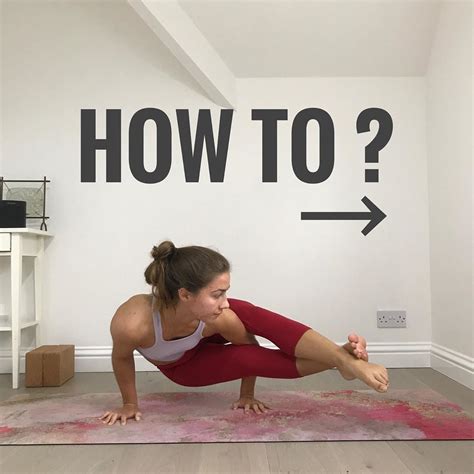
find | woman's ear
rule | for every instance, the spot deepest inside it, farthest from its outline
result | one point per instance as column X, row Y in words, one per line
column 184, row 294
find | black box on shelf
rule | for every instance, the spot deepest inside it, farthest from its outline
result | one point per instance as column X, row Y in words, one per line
column 12, row 214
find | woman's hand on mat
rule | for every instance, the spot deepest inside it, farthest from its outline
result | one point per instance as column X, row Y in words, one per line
column 129, row 410
column 247, row 402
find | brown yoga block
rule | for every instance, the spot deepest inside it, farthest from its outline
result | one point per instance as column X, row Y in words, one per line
column 49, row 366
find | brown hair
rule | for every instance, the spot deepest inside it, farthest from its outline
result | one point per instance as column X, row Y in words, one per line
column 190, row 267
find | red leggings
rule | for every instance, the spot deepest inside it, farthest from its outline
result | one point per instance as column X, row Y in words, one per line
column 211, row 361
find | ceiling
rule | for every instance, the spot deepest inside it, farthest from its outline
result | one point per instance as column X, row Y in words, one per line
column 318, row 38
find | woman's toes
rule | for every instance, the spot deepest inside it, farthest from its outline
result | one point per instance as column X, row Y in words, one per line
column 353, row 337
column 380, row 378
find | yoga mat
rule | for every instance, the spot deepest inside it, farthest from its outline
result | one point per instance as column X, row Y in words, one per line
column 205, row 417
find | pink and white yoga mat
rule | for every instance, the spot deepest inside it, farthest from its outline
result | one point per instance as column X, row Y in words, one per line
column 207, row 417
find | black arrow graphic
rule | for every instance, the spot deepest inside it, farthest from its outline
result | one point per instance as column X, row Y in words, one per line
column 375, row 216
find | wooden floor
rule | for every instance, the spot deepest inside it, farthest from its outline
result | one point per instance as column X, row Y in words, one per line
column 284, row 457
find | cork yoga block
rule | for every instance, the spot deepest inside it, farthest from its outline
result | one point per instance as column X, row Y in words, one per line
column 49, row 366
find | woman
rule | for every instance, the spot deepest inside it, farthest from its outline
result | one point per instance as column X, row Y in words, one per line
column 185, row 325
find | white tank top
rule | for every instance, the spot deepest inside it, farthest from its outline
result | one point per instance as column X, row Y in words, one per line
column 169, row 350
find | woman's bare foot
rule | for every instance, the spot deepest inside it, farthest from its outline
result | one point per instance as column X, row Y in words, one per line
column 357, row 346
column 374, row 375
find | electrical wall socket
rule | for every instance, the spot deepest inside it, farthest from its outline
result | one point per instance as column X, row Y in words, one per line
column 392, row 319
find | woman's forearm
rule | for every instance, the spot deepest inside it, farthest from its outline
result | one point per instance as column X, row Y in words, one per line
column 124, row 370
column 248, row 386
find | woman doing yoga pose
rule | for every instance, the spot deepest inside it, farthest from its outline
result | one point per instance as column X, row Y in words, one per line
column 185, row 326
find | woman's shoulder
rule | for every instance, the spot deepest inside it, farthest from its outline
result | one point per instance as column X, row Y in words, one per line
column 133, row 312
column 139, row 300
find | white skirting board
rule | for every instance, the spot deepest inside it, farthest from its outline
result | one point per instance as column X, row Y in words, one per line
column 453, row 364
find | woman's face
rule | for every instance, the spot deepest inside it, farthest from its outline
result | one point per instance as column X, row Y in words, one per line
column 212, row 300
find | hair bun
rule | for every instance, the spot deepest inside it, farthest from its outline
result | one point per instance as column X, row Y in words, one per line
column 164, row 251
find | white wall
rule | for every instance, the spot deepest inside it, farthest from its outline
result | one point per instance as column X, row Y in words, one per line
column 449, row 84
column 335, row 277
column 325, row 274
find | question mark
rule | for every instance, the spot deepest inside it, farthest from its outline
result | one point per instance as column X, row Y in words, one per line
column 380, row 140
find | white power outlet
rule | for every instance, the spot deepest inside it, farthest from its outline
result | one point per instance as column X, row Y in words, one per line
column 392, row 319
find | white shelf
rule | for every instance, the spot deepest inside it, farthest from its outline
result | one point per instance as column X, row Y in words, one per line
column 22, row 326
column 24, row 230
column 18, row 243
column 9, row 254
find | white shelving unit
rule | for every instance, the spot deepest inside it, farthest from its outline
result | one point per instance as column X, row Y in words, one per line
column 17, row 243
